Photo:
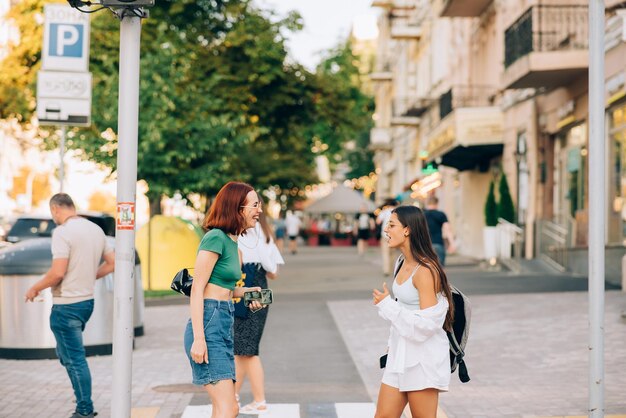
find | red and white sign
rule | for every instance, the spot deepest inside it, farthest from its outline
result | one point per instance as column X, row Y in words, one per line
column 125, row 216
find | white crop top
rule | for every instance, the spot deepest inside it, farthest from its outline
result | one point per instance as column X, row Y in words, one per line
column 406, row 294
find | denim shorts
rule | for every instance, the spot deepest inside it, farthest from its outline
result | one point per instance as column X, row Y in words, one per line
column 218, row 333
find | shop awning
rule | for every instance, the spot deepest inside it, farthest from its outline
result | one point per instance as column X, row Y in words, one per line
column 472, row 157
column 342, row 200
column 468, row 138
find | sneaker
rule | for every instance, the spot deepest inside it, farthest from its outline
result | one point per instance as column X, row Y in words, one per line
column 254, row 408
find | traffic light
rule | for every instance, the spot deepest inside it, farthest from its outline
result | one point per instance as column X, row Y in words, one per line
column 127, row 3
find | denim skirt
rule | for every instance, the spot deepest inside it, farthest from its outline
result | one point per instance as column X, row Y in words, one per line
column 218, row 333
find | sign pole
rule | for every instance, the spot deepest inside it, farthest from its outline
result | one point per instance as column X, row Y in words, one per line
column 597, row 203
column 128, row 116
column 62, row 163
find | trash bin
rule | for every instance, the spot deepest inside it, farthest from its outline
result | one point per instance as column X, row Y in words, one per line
column 25, row 327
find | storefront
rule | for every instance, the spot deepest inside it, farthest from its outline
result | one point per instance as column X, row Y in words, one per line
column 616, row 231
column 464, row 146
column 570, row 191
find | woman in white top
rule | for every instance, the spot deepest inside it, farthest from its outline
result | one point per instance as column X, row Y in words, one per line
column 261, row 258
column 418, row 363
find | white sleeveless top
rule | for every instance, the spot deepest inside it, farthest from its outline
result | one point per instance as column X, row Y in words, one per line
column 406, row 294
column 418, row 346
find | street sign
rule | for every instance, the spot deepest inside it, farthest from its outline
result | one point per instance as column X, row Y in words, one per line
column 66, row 39
column 64, row 98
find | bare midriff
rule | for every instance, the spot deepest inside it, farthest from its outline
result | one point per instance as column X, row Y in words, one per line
column 212, row 291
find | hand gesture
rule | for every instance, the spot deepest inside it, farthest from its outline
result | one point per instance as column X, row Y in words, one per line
column 378, row 295
column 30, row 295
column 199, row 352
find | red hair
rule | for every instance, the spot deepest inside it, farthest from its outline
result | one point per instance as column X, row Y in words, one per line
column 225, row 212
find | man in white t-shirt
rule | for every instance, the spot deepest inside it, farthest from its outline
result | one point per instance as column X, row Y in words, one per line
column 78, row 246
column 382, row 219
column 293, row 224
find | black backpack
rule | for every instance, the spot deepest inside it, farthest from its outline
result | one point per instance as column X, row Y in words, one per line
column 460, row 328
column 459, row 334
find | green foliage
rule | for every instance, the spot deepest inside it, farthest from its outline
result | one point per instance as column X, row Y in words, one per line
column 506, row 209
column 19, row 69
column 219, row 100
column 491, row 208
column 345, row 112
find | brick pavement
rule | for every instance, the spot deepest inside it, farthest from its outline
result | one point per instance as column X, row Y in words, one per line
column 527, row 354
column 41, row 388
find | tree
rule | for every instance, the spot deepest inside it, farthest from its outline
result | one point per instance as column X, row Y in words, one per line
column 506, row 209
column 491, row 208
column 102, row 202
column 218, row 98
column 19, row 67
column 346, row 112
column 35, row 185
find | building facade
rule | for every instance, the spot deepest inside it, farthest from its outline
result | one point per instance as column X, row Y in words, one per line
column 468, row 91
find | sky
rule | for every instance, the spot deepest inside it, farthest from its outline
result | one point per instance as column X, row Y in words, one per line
column 326, row 23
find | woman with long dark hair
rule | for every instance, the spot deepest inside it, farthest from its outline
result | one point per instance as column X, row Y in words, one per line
column 209, row 333
column 418, row 362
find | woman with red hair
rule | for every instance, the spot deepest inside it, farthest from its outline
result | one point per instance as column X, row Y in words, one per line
column 209, row 332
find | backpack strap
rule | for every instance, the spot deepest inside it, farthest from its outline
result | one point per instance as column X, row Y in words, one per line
column 455, row 346
column 463, row 375
column 458, row 353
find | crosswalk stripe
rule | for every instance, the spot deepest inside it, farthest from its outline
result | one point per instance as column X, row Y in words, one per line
column 291, row 410
column 355, row 410
column 274, row 410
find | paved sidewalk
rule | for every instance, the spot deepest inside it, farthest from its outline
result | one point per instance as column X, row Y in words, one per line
column 527, row 354
column 41, row 388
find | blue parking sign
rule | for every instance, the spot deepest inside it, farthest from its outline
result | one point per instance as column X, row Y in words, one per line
column 66, row 40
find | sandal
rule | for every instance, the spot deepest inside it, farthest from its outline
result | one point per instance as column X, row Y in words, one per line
column 254, row 408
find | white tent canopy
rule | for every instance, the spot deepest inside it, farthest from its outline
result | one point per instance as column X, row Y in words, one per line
column 343, row 200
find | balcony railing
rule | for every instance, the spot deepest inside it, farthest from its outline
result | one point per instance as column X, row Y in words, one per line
column 465, row 96
column 544, row 28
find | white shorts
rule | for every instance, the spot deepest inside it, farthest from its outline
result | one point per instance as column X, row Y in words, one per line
column 411, row 380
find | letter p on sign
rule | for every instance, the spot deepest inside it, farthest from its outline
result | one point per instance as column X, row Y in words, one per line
column 66, row 40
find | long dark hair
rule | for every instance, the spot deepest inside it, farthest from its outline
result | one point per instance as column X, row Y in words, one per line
column 265, row 226
column 423, row 252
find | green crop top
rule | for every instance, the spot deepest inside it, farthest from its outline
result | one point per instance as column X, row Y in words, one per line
column 227, row 270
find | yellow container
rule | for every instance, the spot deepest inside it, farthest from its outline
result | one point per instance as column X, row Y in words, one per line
column 174, row 243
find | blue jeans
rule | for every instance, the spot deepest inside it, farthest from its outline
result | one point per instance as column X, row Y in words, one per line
column 441, row 253
column 68, row 323
column 218, row 334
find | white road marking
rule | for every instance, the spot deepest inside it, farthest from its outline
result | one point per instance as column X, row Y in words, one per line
column 274, row 410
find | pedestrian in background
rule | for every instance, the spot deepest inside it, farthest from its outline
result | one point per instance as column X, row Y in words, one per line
column 281, row 231
column 293, row 223
column 209, row 333
column 382, row 219
column 439, row 229
column 78, row 248
column 418, row 359
column 261, row 259
column 364, row 225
